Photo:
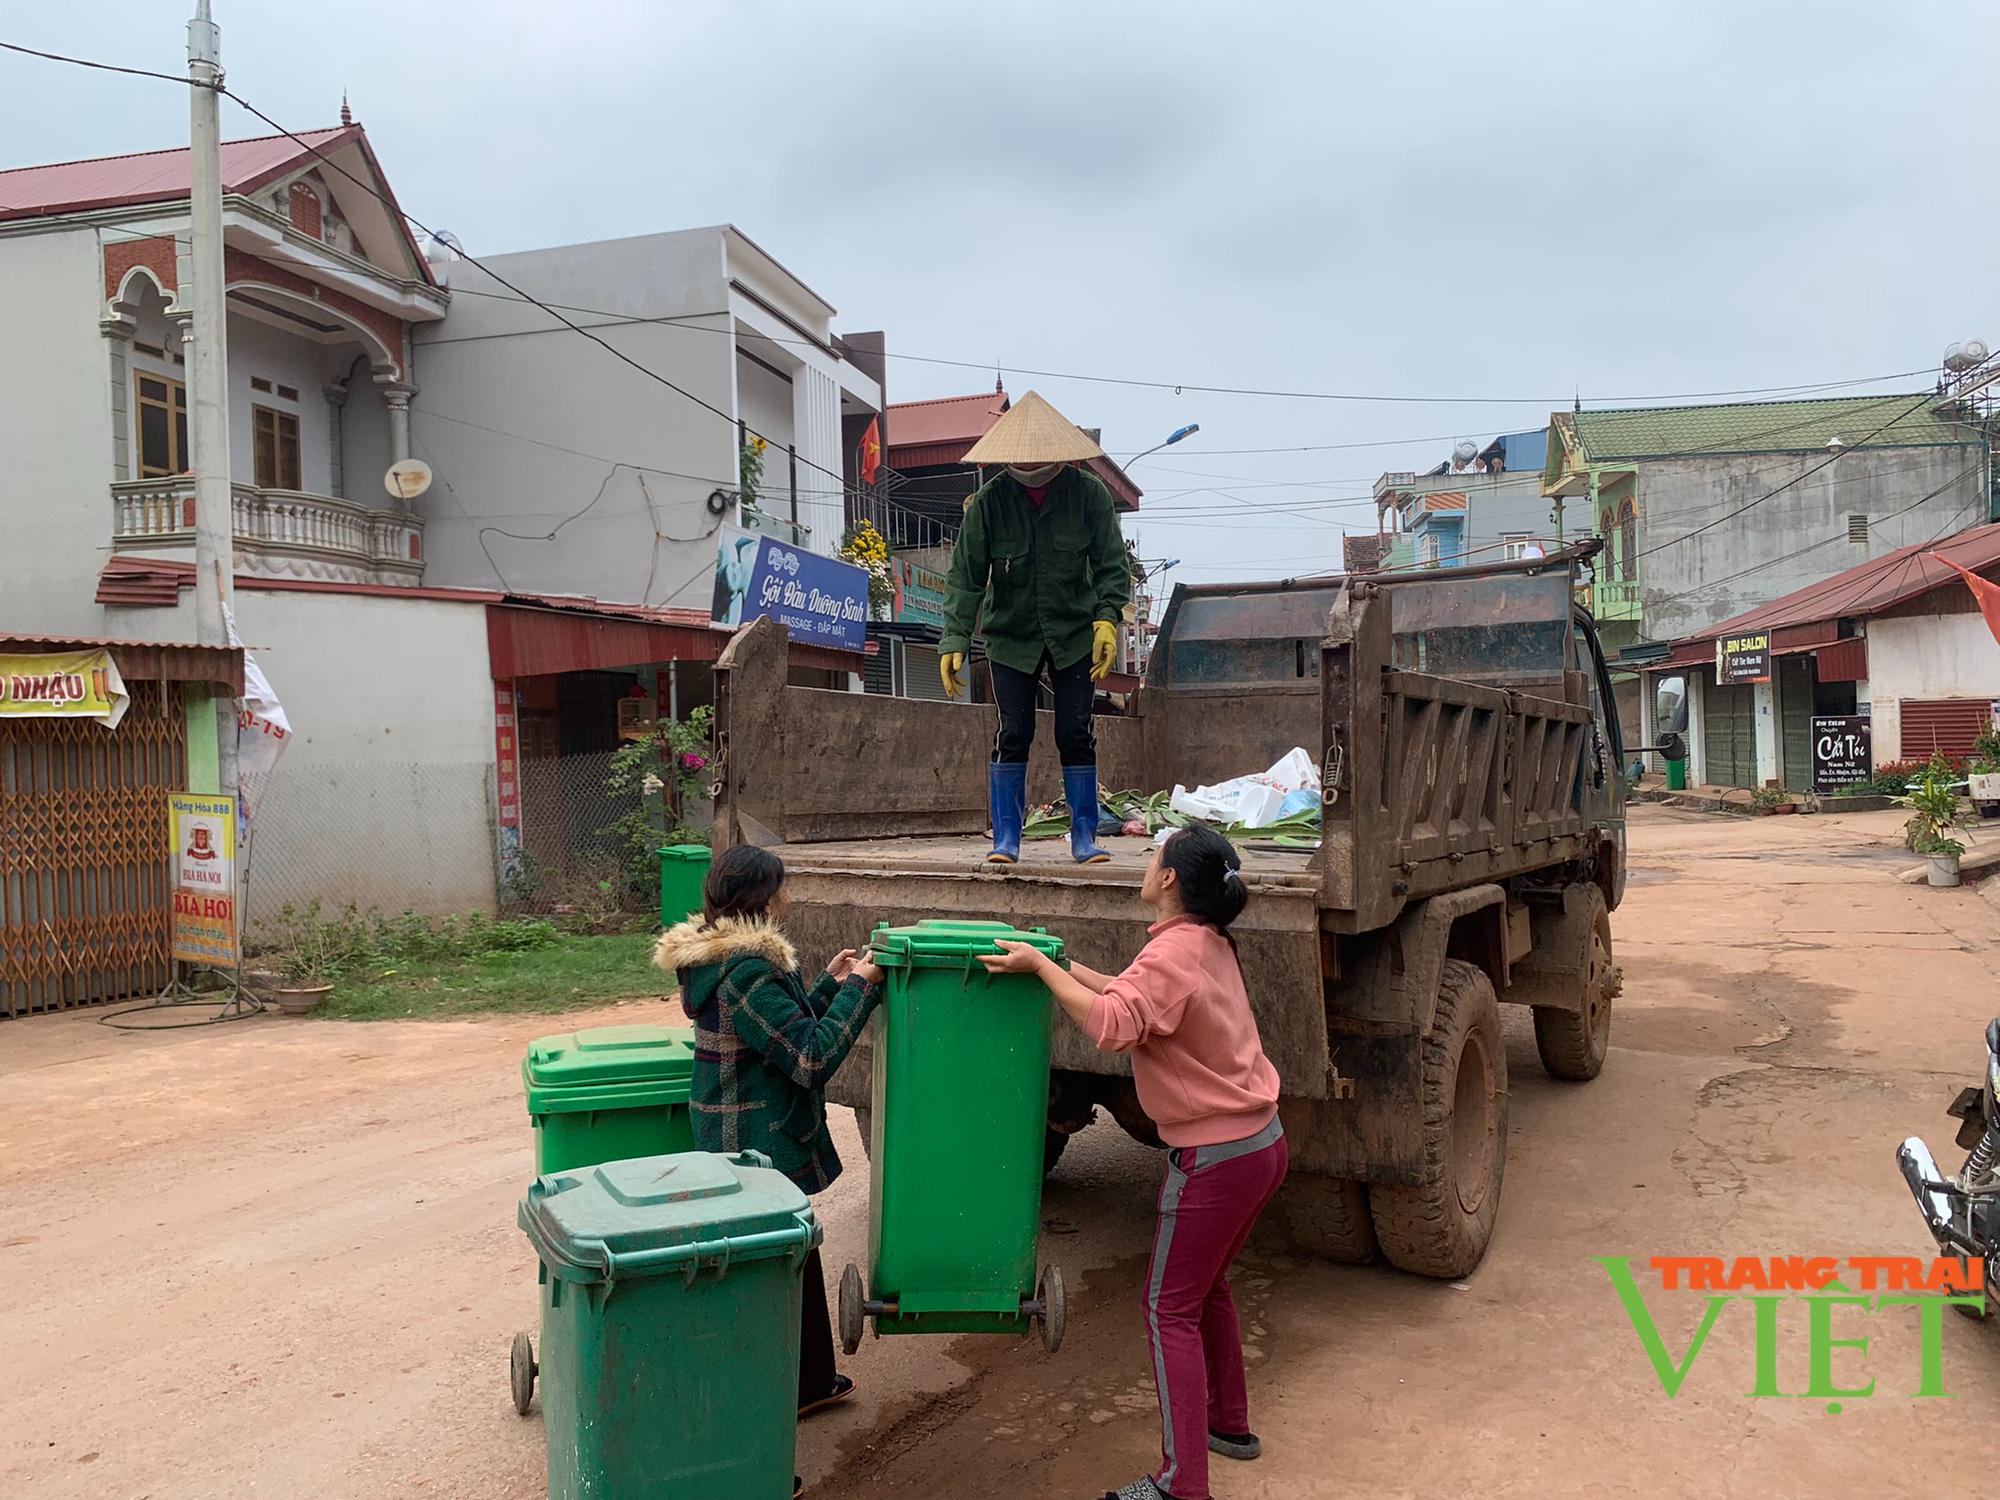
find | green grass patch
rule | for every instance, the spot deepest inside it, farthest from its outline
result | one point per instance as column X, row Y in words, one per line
column 566, row 974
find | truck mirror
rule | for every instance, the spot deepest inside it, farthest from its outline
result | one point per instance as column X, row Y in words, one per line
column 1670, row 707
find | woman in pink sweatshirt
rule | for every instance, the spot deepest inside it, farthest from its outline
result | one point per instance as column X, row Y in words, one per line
column 1183, row 1014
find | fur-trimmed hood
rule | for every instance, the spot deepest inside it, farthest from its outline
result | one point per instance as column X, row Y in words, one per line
column 697, row 943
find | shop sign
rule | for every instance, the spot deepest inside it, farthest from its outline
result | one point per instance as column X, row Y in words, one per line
column 204, row 926
column 919, row 595
column 507, row 776
column 1743, row 658
column 1843, row 751
column 819, row 601
column 63, row 685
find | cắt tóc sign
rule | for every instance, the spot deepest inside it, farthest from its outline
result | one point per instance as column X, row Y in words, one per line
column 819, row 601
column 1843, row 751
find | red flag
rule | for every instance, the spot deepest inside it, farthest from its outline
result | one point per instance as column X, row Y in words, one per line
column 1987, row 594
column 871, row 451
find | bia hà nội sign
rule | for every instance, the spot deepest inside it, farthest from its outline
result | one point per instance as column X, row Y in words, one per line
column 204, row 918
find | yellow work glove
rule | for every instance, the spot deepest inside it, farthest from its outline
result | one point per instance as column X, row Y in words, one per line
column 951, row 671
column 1103, row 649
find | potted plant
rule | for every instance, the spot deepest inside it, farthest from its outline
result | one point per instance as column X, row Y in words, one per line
column 1934, row 820
column 1767, row 800
column 305, row 978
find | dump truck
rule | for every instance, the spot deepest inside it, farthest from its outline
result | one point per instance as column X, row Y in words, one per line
column 1471, row 854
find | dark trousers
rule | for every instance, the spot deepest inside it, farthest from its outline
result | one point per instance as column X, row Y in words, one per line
column 815, row 1335
column 1015, row 692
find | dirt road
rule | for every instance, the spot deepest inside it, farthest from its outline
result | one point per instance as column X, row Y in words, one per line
column 279, row 1258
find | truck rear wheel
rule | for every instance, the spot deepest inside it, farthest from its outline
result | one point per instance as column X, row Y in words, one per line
column 1440, row 1225
column 1329, row 1217
column 1573, row 1041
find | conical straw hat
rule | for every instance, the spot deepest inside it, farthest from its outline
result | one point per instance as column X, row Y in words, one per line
column 1032, row 433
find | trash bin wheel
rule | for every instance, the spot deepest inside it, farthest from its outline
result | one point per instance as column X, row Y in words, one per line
column 851, row 1316
column 522, row 1370
column 1055, row 1307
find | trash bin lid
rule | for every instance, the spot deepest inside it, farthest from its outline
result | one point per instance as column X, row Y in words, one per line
column 689, row 852
column 659, row 1213
column 942, row 943
column 574, row 1069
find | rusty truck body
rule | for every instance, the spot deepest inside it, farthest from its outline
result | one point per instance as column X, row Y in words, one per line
column 1471, row 853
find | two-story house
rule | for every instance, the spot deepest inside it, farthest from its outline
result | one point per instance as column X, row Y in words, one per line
column 458, row 666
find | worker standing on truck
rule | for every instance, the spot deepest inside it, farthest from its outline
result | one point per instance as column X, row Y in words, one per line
column 1041, row 548
column 1182, row 1012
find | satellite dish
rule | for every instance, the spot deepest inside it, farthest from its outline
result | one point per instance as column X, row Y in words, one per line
column 408, row 479
column 1465, row 452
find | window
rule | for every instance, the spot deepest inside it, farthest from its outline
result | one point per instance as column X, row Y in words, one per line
column 1857, row 530
column 1430, row 549
column 277, row 448
column 1628, row 542
column 163, row 426
column 1515, row 547
column 259, row 383
column 288, row 393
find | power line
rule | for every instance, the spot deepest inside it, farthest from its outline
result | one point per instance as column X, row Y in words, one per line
column 1788, row 484
column 102, row 67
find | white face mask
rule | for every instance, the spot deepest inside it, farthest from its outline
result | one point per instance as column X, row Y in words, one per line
column 1034, row 479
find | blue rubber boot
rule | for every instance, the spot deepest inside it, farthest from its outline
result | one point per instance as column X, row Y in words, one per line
column 1080, row 791
column 1007, row 798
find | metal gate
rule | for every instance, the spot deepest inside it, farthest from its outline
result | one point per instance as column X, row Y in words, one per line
column 85, row 853
column 1795, row 716
column 1729, row 734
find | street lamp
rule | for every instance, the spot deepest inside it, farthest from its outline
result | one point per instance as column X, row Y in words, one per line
column 1178, row 433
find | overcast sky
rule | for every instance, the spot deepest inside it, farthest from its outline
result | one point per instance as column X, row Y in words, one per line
column 1450, row 200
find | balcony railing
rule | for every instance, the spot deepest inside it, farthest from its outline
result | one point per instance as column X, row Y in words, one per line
column 279, row 533
column 1615, row 599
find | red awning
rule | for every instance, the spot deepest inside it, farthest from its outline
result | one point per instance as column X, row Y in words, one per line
column 530, row 642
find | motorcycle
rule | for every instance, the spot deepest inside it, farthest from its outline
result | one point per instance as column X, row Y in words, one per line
column 1963, row 1211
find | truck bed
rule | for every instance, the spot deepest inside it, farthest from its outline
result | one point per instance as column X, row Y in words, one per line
column 1042, row 860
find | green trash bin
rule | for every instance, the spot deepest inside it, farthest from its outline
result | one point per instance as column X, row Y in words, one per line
column 1677, row 775
column 608, row 1093
column 683, row 872
column 960, row 1097
column 670, row 1291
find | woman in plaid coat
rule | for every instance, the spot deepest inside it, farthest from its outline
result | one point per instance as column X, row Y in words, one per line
column 765, row 1046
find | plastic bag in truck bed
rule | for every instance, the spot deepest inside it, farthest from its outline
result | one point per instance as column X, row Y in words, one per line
column 1250, row 801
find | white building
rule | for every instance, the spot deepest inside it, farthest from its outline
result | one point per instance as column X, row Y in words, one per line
column 1898, row 641
column 446, row 679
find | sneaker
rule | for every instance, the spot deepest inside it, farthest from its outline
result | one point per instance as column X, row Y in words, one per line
column 1239, row 1445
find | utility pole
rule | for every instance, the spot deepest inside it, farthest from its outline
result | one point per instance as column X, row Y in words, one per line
column 208, row 362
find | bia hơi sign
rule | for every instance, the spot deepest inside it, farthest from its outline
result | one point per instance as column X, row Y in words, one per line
column 204, row 829
column 63, row 685
column 1843, row 751
column 819, row 601
column 1743, row 658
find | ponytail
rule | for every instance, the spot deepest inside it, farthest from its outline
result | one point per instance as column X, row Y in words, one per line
column 1208, row 876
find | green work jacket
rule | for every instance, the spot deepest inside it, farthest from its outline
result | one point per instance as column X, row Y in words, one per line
column 1044, row 575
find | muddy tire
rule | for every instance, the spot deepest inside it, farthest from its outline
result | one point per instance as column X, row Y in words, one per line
column 1573, row 1042
column 1440, row 1225
column 1329, row 1217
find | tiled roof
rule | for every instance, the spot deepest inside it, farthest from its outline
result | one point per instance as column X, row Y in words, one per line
column 1870, row 588
column 1909, row 419
column 955, row 419
column 1363, row 553
column 154, row 176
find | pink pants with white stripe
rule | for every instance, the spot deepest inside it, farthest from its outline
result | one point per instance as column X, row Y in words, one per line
column 1209, row 1201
